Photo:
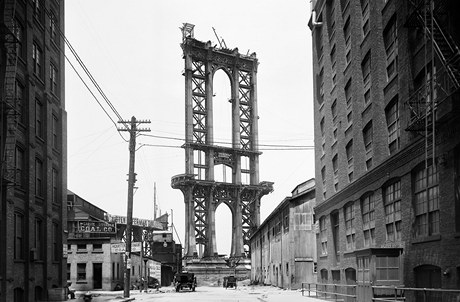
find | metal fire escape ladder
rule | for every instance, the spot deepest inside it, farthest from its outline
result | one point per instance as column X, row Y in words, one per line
column 9, row 101
column 447, row 80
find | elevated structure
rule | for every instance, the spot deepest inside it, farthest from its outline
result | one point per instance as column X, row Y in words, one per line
column 202, row 194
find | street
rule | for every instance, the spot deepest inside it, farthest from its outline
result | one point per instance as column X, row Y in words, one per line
column 211, row 294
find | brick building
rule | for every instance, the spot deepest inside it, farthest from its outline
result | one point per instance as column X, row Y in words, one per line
column 388, row 206
column 33, row 149
column 283, row 248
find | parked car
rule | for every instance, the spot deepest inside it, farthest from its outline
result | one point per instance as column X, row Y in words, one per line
column 230, row 281
column 153, row 283
column 184, row 280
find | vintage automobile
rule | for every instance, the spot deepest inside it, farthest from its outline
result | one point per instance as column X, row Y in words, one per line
column 153, row 283
column 230, row 281
column 184, row 280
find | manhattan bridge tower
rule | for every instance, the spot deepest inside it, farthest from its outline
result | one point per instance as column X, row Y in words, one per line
column 202, row 193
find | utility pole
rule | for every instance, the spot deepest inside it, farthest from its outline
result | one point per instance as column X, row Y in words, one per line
column 133, row 131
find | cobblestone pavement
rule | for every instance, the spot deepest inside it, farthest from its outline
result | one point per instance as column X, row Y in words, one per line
column 214, row 294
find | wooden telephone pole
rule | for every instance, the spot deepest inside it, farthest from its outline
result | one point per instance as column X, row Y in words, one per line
column 133, row 131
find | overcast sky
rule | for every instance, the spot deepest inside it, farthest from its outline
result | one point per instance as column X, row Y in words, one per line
column 132, row 49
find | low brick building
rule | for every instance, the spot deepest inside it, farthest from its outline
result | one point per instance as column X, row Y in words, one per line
column 283, row 248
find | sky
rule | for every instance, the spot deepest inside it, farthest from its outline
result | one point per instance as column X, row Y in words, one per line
column 132, row 49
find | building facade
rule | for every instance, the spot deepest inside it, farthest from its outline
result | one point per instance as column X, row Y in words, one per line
column 283, row 248
column 386, row 98
column 33, row 149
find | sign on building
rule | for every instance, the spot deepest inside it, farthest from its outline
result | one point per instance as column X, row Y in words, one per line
column 101, row 227
column 121, row 247
column 155, row 269
column 147, row 223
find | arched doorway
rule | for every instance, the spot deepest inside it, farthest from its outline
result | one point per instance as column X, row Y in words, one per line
column 428, row 276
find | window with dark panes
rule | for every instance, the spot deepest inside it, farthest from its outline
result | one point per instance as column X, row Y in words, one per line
column 55, row 131
column 18, row 236
column 368, row 136
column 18, row 31
column 55, row 184
column 321, row 126
column 56, row 242
column 349, row 153
column 426, row 194
column 39, row 119
column 37, row 55
column 335, row 165
column 37, row 9
column 323, row 174
column 39, row 240
column 53, row 26
column 323, row 235
column 390, row 36
column 368, row 213
column 392, row 117
column 387, row 268
column 350, row 225
column 392, row 203
column 20, row 101
column 53, row 79
column 366, row 67
column 20, row 165
column 335, row 232
column 334, row 110
column 348, row 93
column 81, row 271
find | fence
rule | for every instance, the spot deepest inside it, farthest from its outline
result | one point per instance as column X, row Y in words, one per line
column 348, row 293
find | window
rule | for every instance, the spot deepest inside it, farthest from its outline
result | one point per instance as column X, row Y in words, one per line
column 55, row 184
column 333, row 56
column 20, row 176
column 350, row 117
column 392, row 203
column 303, row 221
column 335, row 233
column 349, row 152
column 366, row 68
column 37, row 60
column 320, row 88
column 39, row 119
column 365, row 11
column 286, row 220
column 18, row 31
column 323, row 174
column 426, row 201
column 56, row 242
column 18, row 236
column 323, row 235
column 331, row 19
column 348, row 93
column 347, row 32
column 335, row 165
column 350, row 225
column 81, row 271
column 367, row 207
column 367, row 97
column 55, row 132
column 387, row 268
column 97, row 247
column 334, row 134
column 368, row 136
column 20, row 102
column 53, row 27
column 390, row 36
column 39, row 178
column 39, row 240
column 334, row 110
column 81, row 247
column 53, row 79
column 69, row 266
column 392, row 117
column 37, row 9
column 392, row 68
column 363, row 275
column 321, row 126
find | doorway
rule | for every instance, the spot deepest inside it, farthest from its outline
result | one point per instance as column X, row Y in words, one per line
column 97, row 275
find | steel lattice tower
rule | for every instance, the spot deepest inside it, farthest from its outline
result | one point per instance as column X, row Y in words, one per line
column 202, row 194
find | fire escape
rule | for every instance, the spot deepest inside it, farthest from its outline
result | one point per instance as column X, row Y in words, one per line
column 442, row 70
column 9, row 106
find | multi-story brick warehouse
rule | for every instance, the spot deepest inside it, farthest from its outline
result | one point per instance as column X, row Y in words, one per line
column 388, row 203
column 33, row 149
column 283, row 248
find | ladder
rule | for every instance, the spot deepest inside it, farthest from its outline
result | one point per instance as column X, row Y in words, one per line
column 9, row 100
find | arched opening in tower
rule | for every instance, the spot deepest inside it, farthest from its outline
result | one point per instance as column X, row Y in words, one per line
column 222, row 109
column 224, row 231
